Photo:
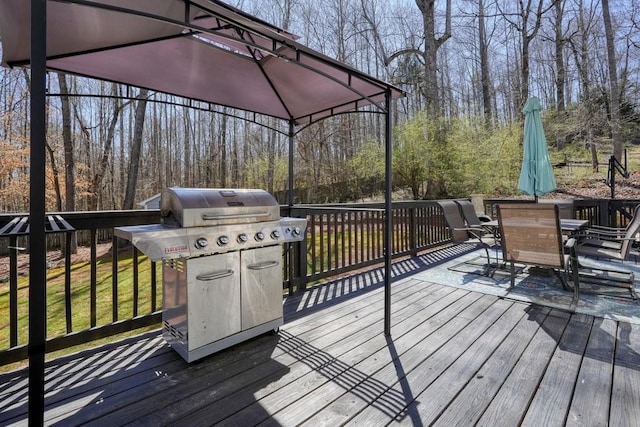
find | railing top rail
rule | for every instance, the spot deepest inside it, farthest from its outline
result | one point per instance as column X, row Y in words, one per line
column 334, row 208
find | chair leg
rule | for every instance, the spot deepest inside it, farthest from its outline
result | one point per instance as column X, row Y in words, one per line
column 490, row 270
column 513, row 274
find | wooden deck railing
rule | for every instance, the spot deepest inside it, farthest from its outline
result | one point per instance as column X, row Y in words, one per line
column 121, row 290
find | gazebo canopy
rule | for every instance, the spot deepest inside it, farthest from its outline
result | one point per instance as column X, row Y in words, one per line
column 199, row 49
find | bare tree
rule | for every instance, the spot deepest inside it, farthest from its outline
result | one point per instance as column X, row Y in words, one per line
column 527, row 22
column 579, row 42
column 136, row 149
column 614, row 90
column 485, row 76
column 561, row 73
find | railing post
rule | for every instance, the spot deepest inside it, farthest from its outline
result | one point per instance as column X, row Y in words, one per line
column 299, row 269
column 604, row 214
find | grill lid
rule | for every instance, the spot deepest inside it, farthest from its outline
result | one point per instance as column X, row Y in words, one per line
column 197, row 207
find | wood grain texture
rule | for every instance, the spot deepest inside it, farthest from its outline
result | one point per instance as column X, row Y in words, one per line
column 454, row 357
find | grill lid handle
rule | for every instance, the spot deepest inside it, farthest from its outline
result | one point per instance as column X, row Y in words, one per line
column 209, row 217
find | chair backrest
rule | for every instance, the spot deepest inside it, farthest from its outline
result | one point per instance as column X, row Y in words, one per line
column 454, row 220
column 469, row 213
column 631, row 231
column 530, row 234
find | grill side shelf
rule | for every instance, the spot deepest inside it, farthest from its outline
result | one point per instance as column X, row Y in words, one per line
column 156, row 241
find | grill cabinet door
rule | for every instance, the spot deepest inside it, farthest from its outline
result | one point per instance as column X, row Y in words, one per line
column 261, row 285
column 213, row 298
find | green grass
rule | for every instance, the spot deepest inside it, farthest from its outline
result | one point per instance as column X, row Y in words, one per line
column 80, row 299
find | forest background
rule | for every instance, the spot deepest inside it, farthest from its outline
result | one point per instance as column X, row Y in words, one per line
column 468, row 67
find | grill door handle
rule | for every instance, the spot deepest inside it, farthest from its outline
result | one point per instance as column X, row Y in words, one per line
column 215, row 275
column 208, row 217
column 263, row 265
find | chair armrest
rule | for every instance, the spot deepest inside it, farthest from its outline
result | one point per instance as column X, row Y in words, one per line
column 599, row 230
column 587, row 237
column 484, row 218
column 476, row 232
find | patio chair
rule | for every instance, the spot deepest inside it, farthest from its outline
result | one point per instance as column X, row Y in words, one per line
column 472, row 218
column 610, row 243
column 531, row 235
column 463, row 233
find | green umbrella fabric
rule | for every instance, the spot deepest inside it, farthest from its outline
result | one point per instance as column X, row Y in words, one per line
column 536, row 176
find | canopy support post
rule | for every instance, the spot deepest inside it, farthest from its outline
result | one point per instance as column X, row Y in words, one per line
column 388, row 229
column 290, row 192
column 37, row 243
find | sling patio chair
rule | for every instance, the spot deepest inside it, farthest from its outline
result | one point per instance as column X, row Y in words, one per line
column 531, row 235
column 471, row 217
column 463, row 233
column 610, row 243
column 476, row 220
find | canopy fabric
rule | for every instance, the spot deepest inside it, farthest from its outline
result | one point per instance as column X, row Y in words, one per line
column 536, row 176
column 199, row 49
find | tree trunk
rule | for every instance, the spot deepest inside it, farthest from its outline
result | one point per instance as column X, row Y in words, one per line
column 96, row 181
column 614, row 90
column 136, row 148
column 484, row 66
column 559, row 45
column 222, row 144
column 581, row 57
column 429, row 55
column 69, row 163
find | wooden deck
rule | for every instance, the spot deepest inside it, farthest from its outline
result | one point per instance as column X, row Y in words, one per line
column 454, row 358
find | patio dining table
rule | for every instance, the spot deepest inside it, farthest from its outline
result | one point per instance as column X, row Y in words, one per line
column 567, row 225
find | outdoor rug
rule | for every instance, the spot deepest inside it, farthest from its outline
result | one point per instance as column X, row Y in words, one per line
column 539, row 286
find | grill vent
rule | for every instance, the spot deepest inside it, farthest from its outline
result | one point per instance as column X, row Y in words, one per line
column 175, row 333
column 175, row 264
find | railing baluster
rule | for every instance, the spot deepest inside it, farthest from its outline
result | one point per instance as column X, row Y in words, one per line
column 94, row 278
column 67, row 281
column 13, row 291
column 114, row 279
column 314, row 260
column 322, row 242
column 135, row 281
column 343, row 230
column 154, row 281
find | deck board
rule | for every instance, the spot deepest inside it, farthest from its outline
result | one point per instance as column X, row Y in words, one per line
column 625, row 395
column 454, row 357
column 509, row 405
column 550, row 404
column 590, row 403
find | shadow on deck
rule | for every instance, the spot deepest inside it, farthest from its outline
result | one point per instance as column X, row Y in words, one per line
column 454, row 357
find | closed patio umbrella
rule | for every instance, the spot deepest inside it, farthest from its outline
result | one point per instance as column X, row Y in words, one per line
column 536, row 176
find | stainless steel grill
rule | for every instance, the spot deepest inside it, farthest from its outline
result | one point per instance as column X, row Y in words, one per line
column 222, row 274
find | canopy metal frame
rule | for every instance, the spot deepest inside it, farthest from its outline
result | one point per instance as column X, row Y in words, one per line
column 264, row 43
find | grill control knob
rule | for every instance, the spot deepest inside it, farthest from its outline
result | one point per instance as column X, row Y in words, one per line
column 242, row 238
column 296, row 231
column 259, row 236
column 201, row 243
column 223, row 240
column 275, row 234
